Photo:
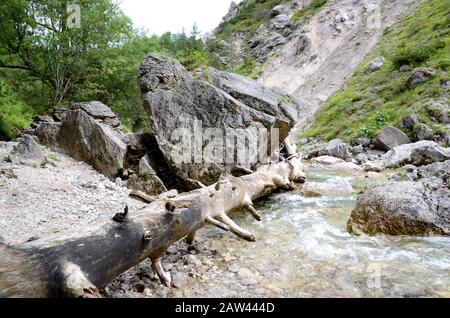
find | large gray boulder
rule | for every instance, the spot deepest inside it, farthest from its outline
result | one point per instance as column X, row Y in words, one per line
column 197, row 119
column 389, row 138
column 28, row 152
column 87, row 138
column 91, row 132
column 420, row 153
column 403, row 208
column 337, row 148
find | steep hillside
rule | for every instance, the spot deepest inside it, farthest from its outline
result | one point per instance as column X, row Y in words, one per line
column 305, row 48
column 374, row 99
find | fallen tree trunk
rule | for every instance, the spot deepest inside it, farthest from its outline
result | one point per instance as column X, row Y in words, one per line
column 79, row 263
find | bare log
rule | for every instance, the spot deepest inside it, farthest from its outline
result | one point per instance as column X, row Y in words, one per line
column 79, row 263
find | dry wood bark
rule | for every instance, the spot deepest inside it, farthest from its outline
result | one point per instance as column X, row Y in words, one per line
column 79, row 263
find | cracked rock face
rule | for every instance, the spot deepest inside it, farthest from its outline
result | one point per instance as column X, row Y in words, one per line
column 217, row 108
column 403, row 208
column 83, row 138
column 91, row 132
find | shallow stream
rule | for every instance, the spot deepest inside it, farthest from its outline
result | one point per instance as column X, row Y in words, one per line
column 304, row 250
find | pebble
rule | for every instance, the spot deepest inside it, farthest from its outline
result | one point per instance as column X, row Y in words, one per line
column 172, row 250
column 234, row 268
column 245, row 273
column 191, row 259
column 168, row 266
column 179, row 279
column 147, row 292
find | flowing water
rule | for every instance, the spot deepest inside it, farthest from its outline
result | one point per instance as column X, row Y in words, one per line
column 304, row 250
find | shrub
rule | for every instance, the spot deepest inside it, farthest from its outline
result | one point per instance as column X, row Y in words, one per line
column 248, row 68
column 418, row 54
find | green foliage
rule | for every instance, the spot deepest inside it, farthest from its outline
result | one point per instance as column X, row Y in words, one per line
column 373, row 101
column 308, row 11
column 38, row 40
column 417, row 54
column 285, row 100
column 248, row 68
column 14, row 115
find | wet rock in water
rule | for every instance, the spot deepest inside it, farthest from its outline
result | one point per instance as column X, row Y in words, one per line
column 334, row 187
column 375, row 65
column 403, row 208
column 419, row 76
column 337, row 148
column 28, row 152
column 389, row 138
column 326, row 160
column 345, row 167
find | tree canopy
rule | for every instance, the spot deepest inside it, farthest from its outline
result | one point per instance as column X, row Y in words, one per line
column 51, row 57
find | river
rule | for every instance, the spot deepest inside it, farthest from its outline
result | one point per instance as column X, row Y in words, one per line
column 304, row 250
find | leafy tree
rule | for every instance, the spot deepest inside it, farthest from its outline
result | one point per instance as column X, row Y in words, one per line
column 49, row 63
column 37, row 39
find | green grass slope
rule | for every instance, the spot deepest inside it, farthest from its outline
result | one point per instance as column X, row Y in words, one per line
column 373, row 101
column 14, row 113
